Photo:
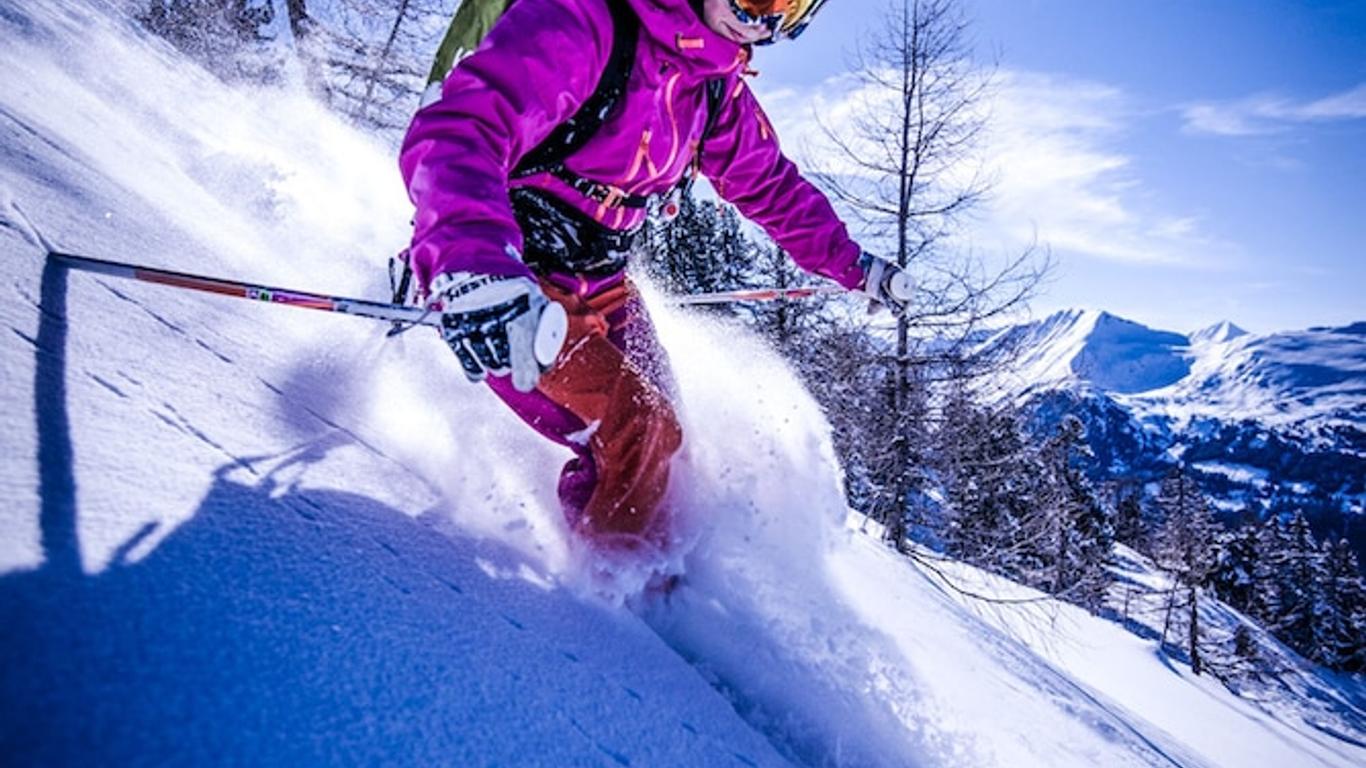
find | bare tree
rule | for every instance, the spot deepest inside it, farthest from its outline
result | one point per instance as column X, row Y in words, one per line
column 903, row 168
column 237, row 40
column 370, row 58
column 300, row 23
column 211, row 31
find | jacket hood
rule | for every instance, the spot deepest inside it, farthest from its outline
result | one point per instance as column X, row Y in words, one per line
column 677, row 26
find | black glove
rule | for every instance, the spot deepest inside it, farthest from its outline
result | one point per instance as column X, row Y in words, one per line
column 500, row 325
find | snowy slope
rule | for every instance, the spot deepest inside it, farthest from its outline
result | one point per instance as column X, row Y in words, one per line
column 1188, row 720
column 247, row 534
column 1307, row 380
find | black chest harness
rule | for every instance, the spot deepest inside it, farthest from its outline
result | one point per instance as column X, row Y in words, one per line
column 558, row 237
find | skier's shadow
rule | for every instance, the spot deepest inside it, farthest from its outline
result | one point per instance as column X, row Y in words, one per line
column 202, row 627
column 276, row 625
column 253, row 623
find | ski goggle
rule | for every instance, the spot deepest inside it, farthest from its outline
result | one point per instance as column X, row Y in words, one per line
column 784, row 19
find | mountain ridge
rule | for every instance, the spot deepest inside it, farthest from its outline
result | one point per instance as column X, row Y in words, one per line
column 1283, row 377
column 1271, row 423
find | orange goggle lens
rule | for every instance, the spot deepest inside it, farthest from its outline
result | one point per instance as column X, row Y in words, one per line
column 785, row 19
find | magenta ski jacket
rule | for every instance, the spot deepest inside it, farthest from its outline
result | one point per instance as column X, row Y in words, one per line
column 537, row 65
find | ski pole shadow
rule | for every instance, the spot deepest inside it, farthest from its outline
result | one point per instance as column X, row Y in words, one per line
column 56, row 476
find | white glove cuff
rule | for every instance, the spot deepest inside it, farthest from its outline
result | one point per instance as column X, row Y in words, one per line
column 885, row 282
column 465, row 291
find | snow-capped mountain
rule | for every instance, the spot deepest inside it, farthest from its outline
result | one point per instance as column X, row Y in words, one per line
column 1217, row 333
column 242, row 534
column 1275, row 422
column 1289, row 379
column 1311, row 383
column 1096, row 348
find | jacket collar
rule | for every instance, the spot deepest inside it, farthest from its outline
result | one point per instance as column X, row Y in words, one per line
column 677, row 26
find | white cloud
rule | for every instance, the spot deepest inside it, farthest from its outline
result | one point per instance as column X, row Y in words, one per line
column 1348, row 105
column 1266, row 113
column 1226, row 120
column 1055, row 151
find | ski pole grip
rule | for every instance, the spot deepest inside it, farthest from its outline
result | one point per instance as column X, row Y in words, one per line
column 901, row 286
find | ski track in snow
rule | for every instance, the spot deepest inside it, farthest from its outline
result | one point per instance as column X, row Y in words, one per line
column 252, row 534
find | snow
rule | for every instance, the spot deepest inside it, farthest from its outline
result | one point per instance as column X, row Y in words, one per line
column 1303, row 381
column 249, row 534
column 1190, row 719
column 1093, row 346
column 1218, row 333
column 1288, row 378
column 1238, row 473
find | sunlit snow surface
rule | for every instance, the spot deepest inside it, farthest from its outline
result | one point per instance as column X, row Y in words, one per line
column 249, row 534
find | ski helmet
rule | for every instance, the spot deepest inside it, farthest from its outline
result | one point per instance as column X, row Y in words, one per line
column 785, row 19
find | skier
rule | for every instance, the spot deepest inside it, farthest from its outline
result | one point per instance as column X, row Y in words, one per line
column 524, row 248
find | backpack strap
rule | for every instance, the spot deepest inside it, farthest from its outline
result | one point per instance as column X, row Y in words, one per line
column 570, row 136
column 716, row 93
column 614, row 197
column 607, row 194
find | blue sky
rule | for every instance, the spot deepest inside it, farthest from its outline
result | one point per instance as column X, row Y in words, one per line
column 1187, row 162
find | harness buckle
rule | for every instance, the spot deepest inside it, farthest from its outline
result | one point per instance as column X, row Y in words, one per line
column 612, row 196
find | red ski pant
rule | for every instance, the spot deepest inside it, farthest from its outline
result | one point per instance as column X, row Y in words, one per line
column 608, row 397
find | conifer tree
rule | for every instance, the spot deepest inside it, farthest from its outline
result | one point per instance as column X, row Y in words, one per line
column 699, row 250
column 990, row 477
column 1129, row 528
column 211, row 31
column 1185, row 548
column 1235, row 580
column 841, row 370
column 731, row 254
column 1273, row 547
column 300, row 23
column 1344, row 633
column 894, row 417
column 1299, row 574
column 1310, row 596
column 1080, row 530
column 1245, row 646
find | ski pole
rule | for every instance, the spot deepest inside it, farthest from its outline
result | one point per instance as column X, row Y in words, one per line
column 756, row 294
column 395, row 313
column 401, row 315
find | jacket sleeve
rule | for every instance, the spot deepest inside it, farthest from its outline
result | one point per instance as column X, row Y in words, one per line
column 539, row 63
column 745, row 164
